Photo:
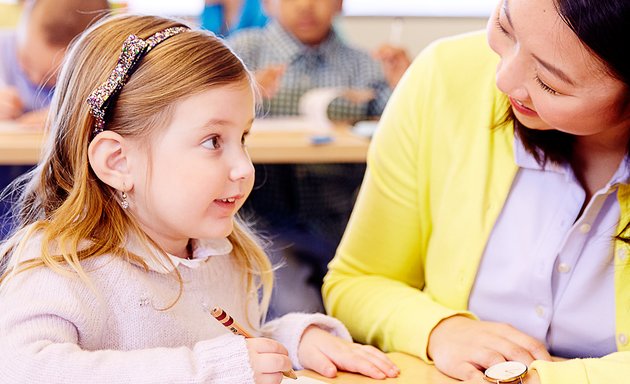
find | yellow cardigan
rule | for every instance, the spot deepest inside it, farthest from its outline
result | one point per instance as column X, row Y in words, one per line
column 438, row 176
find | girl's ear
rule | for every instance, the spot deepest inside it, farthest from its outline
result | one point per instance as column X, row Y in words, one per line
column 108, row 157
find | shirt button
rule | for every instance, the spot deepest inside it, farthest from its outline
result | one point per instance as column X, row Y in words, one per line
column 584, row 228
column 564, row 267
column 622, row 338
column 540, row 311
column 622, row 254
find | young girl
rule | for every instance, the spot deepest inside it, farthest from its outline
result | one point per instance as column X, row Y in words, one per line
column 127, row 231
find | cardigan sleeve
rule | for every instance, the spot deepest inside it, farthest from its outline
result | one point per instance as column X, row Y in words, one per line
column 613, row 368
column 289, row 328
column 41, row 313
column 375, row 282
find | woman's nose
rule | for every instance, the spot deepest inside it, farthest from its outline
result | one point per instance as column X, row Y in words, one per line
column 511, row 76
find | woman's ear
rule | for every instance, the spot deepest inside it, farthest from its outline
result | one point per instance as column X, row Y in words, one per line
column 108, row 157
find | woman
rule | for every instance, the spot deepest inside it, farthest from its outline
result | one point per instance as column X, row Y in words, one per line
column 491, row 221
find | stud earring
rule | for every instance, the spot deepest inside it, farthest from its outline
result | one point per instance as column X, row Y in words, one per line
column 124, row 203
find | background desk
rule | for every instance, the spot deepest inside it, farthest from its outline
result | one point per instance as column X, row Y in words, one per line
column 413, row 371
column 270, row 141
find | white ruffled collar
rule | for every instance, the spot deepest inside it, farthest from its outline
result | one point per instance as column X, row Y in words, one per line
column 202, row 250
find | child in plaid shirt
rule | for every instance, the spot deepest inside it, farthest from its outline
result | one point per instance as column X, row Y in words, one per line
column 304, row 208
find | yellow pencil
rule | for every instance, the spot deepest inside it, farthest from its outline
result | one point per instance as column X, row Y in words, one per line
column 236, row 329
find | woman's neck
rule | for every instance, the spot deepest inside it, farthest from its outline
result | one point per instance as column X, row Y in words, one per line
column 596, row 158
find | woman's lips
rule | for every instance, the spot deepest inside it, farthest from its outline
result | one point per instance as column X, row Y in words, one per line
column 521, row 108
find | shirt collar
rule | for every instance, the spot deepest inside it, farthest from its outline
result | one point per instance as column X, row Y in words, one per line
column 288, row 48
column 526, row 160
column 202, row 250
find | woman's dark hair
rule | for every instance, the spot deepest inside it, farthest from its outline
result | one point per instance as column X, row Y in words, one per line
column 603, row 26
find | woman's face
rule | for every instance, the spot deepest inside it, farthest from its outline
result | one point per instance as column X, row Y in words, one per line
column 552, row 80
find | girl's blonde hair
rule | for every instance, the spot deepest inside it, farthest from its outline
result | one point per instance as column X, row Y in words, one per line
column 64, row 201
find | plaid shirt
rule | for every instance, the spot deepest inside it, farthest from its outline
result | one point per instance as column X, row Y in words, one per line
column 330, row 64
column 308, row 205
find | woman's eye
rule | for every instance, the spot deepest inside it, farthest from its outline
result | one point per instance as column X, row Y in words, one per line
column 545, row 87
column 212, row 143
column 500, row 27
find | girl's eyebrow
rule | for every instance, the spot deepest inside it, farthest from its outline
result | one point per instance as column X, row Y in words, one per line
column 556, row 71
column 216, row 122
column 222, row 122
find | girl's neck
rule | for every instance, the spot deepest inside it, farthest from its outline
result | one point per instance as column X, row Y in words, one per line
column 185, row 252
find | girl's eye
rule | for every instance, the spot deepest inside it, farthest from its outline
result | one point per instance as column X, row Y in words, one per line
column 212, row 143
column 545, row 87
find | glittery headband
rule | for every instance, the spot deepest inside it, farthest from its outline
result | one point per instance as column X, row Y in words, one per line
column 133, row 50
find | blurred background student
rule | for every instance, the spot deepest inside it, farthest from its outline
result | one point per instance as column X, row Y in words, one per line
column 304, row 208
column 29, row 59
column 226, row 16
column 31, row 54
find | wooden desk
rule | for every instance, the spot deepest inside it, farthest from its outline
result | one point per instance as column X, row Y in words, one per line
column 265, row 143
column 413, row 371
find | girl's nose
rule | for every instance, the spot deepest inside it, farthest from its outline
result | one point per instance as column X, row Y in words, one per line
column 243, row 167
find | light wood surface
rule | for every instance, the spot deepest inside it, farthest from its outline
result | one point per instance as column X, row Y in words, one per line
column 412, row 371
column 270, row 141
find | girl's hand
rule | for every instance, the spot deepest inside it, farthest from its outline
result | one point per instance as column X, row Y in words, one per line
column 11, row 106
column 462, row 348
column 324, row 353
column 268, row 359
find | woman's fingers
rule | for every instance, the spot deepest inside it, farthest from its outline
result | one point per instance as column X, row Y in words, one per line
column 459, row 343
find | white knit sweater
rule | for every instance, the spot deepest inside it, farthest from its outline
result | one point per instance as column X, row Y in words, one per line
column 55, row 329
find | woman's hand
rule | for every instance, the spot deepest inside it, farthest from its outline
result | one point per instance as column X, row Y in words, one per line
column 268, row 359
column 461, row 347
column 531, row 378
column 324, row 353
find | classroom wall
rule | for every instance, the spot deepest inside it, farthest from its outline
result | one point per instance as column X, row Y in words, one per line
column 417, row 32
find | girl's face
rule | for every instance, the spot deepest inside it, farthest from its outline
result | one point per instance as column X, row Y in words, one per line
column 553, row 81
column 197, row 172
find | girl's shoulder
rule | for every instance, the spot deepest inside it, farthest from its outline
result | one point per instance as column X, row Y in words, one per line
column 34, row 260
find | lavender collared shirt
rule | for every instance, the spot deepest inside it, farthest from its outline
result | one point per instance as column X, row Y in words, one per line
column 548, row 271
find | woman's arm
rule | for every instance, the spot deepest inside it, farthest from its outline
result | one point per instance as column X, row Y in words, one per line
column 375, row 282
